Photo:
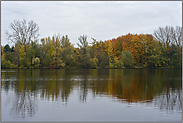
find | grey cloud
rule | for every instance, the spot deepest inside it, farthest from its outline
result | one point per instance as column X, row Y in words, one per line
column 101, row 20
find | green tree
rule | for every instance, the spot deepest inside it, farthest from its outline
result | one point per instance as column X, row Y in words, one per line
column 91, row 51
column 84, row 57
column 118, row 63
column 30, row 53
column 94, row 62
column 127, row 58
column 68, row 52
column 7, row 48
column 9, row 56
column 175, row 56
column 17, row 54
column 45, row 58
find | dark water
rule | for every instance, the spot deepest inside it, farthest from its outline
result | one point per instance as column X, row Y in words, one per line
column 91, row 95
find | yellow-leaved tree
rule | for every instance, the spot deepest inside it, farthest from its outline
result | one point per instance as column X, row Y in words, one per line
column 110, row 54
column 22, row 55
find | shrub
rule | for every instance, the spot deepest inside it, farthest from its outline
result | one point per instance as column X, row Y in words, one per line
column 36, row 62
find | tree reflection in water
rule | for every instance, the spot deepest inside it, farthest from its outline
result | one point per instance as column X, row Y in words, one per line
column 24, row 105
column 24, row 99
column 170, row 101
column 84, row 86
column 125, row 86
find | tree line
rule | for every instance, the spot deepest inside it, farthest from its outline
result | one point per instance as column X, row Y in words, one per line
column 162, row 49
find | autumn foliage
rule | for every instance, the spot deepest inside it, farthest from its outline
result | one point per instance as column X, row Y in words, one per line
column 126, row 51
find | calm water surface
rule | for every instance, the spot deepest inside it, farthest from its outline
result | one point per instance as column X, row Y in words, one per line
column 91, row 95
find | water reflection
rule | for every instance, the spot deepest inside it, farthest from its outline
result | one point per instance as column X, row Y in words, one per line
column 160, row 87
column 23, row 98
column 169, row 100
column 23, row 105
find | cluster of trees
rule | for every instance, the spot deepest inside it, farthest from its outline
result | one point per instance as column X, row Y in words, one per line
column 163, row 50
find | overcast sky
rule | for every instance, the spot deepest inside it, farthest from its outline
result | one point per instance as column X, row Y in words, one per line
column 101, row 20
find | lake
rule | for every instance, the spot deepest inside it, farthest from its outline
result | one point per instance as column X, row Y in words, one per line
column 93, row 95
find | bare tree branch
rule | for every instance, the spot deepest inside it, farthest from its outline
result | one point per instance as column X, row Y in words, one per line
column 23, row 32
column 169, row 35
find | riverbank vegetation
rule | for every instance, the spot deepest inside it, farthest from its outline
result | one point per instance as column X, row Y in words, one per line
column 163, row 49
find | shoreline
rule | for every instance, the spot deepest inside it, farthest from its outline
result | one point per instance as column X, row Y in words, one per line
column 87, row 68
